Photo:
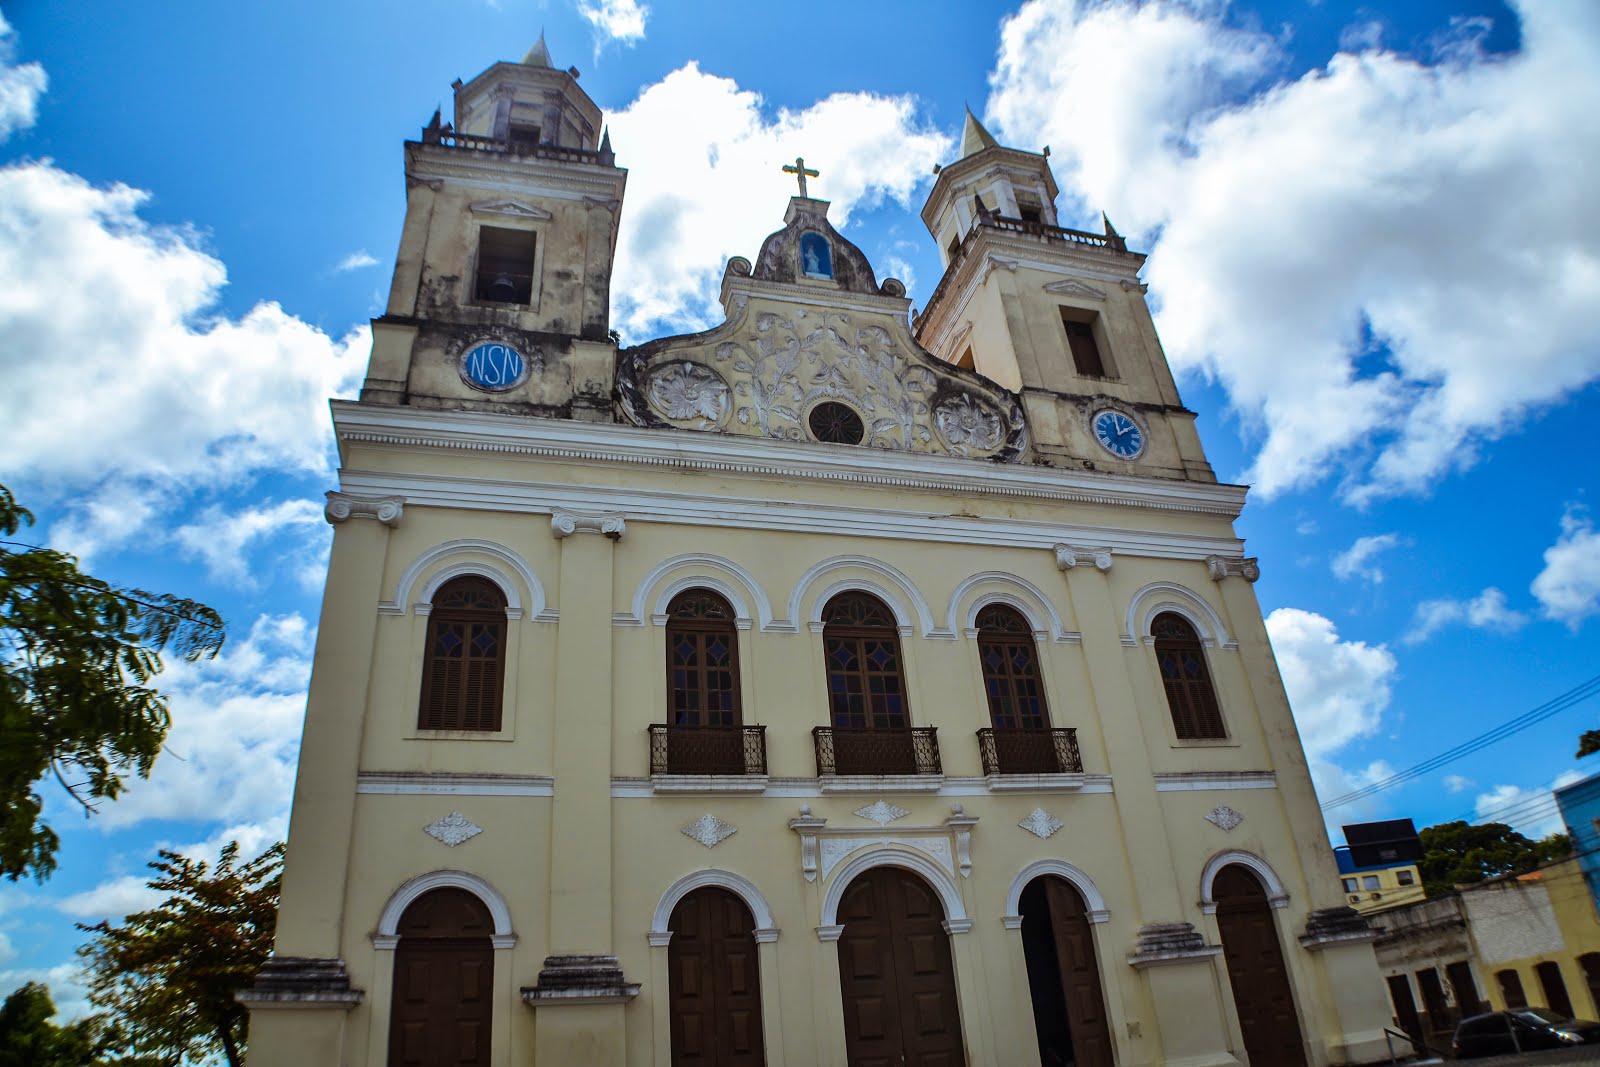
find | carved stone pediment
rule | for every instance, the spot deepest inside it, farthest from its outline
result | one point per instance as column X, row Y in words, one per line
column 1072, row 287
column 513, row 208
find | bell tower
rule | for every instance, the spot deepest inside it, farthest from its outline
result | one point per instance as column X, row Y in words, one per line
column 502, row 285
column 1056, row 314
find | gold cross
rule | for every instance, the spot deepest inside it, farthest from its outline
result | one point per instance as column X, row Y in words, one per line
column 799, row 170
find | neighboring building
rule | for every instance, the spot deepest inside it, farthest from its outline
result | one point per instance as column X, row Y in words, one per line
column 1526, row 940
column 820, row 688
column 1580, row 810
column 1377, row 887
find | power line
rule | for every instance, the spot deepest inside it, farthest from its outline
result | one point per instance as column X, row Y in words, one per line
column 1576, row 695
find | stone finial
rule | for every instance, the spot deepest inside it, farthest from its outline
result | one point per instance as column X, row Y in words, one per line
column 386, row 509
column 539, row 54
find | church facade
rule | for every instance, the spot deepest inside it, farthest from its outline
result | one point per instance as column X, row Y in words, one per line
column 839, row 685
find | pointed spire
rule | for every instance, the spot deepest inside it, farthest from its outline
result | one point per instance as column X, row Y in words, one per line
column 539, row 54
column 608, row 158
column 1112, row 236
column 974, row 138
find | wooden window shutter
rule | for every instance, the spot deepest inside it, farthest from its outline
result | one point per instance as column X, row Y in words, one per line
column 463, row 671
column 1190, row 696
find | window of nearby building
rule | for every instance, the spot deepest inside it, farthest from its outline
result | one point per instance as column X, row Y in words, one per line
column 1405, row 877
column 861, row 645
column 1555, row 987
column 1349, row 885
column 463, row 670
column 702, row 661
column 1010, row 666
column 1459, row 974
column 1369, row 881
column 1190, row 697
column 1510, row 983
column 505, row 266
column 1082, row 344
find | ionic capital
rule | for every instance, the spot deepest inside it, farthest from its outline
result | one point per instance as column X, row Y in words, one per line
column 1070, row 556
column 1219, row 567
column 386, row 509
column 566, row 523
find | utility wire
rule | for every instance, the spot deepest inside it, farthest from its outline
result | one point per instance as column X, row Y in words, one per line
column 1576, row 695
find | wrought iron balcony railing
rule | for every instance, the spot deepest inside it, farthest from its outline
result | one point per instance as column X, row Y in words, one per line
column 730, row 750
column 1030, row 751
column 858, row 750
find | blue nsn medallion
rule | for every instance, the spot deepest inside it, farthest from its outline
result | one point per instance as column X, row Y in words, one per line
column 494, row 366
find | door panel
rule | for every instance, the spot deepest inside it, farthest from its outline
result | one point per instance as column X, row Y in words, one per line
column 714, row 984
column 1080, row 975
column 444, row 967
column 896, row 976
column 1256, row 971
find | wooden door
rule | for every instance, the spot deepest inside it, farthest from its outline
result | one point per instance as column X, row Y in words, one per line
column 1459, row 975
column 1405, row 1006
column 443, row 983
column 1069, row 1011
column 896, row 978
column 1256, row 971
column 1590, row 963
column 1555, row 988
column 714, row 982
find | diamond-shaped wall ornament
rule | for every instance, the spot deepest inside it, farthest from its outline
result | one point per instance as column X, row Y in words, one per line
column 1041, row 823
column 882, row 812
column 710, row 831
column 453, row 829
column 1225, row 817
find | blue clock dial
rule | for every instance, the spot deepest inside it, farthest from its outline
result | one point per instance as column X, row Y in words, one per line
column 493, row 365
column 1118, row 434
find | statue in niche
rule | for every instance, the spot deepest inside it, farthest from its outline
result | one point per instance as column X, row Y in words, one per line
column 816, row 258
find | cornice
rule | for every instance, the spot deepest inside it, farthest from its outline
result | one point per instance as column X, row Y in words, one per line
column 500, row 171
column 473, row 431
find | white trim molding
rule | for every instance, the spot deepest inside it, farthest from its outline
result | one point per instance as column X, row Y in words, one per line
column 1001, row 587
column 908, row 591
column 736, row 884
column 1157, row 597
column 1277, row 895
column 735, row 583
column 466, row 548
column 893, row 855
column 387, row 936
column 1074, row 876
column 1206, row 781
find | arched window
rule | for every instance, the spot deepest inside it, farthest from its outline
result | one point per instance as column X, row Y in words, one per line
column 463, row 672
column 866, row 682
column 1010, row 666
column 702, row 661
column 1192, row 700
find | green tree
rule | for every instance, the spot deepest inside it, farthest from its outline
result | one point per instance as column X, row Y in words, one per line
column 1588, row 743
column 29, row 1039
column 169, row 974
column 76, row 657
column 1461, row 853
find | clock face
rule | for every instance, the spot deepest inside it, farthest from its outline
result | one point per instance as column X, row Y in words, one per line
column 494, row 366
column 1118, row 434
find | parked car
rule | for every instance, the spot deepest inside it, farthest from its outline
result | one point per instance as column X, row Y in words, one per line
column 1522, row 1030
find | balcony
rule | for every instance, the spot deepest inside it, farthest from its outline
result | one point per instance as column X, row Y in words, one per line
column 708, row 759
column 467, row 142
column 1031, row 759
column 862, row 760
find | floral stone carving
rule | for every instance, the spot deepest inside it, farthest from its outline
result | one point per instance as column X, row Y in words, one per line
column 882, row 812
column 1225, row 817
column 1041, row 824
column 710, row 831
column 689, row 393
column 967, row 424
column 453, row 829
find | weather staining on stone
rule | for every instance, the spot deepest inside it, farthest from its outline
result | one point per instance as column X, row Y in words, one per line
column 689, row 393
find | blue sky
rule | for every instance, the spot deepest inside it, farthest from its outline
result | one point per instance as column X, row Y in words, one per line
column 1374, row 258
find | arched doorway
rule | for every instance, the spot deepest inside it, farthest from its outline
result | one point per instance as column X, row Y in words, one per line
column 896, row 977
column 443, row 982
column 1069, row 1011
column 714, row 982
column 1256, row 971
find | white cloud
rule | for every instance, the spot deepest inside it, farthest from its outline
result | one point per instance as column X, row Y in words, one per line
column 1299, row 225
column 671, row 254
column 1568, row 589
column 1532, row 812
column 1486, row 611
column 1338, row 689
column 182, row 397
column 67, row 988
column 1332, row 780
column 616, row 20
column 1455, row 783
column 235, row 735
column 20, row 86
column 1352, row 560
column 115, row 899
column 223, row 539
column 356, row 261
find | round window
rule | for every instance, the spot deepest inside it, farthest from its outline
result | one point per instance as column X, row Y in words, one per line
column 836, row 423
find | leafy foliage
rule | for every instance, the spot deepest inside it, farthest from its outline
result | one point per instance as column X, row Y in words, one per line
column 168, row 976
column 1588, row 743
column 1460, row 853
column 76, row 655
column 29, row 1039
